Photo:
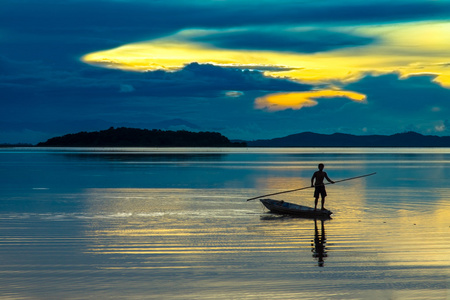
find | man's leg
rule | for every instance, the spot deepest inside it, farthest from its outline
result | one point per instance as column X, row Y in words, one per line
column 315, row 203
column 323, row 203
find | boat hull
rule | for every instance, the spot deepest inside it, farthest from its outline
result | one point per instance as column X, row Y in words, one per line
column 286, row 208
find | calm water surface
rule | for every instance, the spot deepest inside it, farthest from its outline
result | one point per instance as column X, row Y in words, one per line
column 175, row 224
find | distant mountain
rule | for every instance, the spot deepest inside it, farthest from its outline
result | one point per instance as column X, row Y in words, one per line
column 309, row 139
column 173, row 123
column 132, row 137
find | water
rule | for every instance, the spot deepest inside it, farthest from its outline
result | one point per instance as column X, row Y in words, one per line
column 175, row 224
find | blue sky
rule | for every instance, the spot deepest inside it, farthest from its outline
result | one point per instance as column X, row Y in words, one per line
column 247, row 69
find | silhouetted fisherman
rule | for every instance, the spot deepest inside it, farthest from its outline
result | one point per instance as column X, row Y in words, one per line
column 319, row 176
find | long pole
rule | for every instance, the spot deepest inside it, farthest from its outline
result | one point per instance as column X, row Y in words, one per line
column 308, row 187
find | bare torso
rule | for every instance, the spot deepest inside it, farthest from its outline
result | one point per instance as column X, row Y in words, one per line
column 319, row 176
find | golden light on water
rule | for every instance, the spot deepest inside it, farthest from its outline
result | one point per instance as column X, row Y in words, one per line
column 171, row 226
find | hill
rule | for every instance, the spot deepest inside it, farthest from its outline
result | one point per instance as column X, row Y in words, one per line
column 132, row 137
column 309, row 139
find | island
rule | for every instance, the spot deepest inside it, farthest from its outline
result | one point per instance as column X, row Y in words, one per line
column 133, row 137
column 310, row 139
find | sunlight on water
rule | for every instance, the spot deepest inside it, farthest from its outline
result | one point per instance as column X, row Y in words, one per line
column 176, row 225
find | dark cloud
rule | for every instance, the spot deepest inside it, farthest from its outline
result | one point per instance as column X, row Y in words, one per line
column 413, row 96
column 221, row 79
column 82, row 26
column 305, row 41
column 262, row 67
column 395, row 104
column 101, row 96
column 199, row 80
column 59, row 32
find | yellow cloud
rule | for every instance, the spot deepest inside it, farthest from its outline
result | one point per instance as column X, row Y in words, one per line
column 408, row 49
column 169, row 54
column 298, row 100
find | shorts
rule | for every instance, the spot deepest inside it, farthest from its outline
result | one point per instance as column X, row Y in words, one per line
column 320, row 190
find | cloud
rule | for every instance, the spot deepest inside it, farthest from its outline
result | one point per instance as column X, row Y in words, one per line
column 386, row 48
column 234, row 94
column 401, row 103
column 285, row 40
column 123, row 22
column 298, row 100
column 405, row 95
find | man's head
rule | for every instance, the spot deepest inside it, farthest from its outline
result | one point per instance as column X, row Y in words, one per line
column 321, row 166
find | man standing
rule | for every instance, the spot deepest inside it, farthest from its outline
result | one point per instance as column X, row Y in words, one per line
column 319, row 176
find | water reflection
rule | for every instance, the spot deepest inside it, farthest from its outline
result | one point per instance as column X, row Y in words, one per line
column 133, row 157
column 319, row 243
column 296, row 231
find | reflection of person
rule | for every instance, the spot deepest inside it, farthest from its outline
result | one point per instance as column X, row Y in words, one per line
column 319, row 244
column 317, row 182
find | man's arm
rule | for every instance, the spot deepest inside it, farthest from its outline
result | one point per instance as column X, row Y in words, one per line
column 312, row 179
column 327, row 178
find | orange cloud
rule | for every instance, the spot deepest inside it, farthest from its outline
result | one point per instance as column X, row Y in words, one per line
column 298, row 100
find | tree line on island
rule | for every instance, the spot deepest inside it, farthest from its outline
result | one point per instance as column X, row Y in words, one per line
column 132, row 137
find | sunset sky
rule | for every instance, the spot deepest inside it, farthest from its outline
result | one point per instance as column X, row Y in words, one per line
column 247, row 69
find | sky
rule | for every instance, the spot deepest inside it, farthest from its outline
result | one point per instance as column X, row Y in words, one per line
column 247, row 69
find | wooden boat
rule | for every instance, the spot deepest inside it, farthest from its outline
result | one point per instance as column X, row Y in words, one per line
column 286, row 208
